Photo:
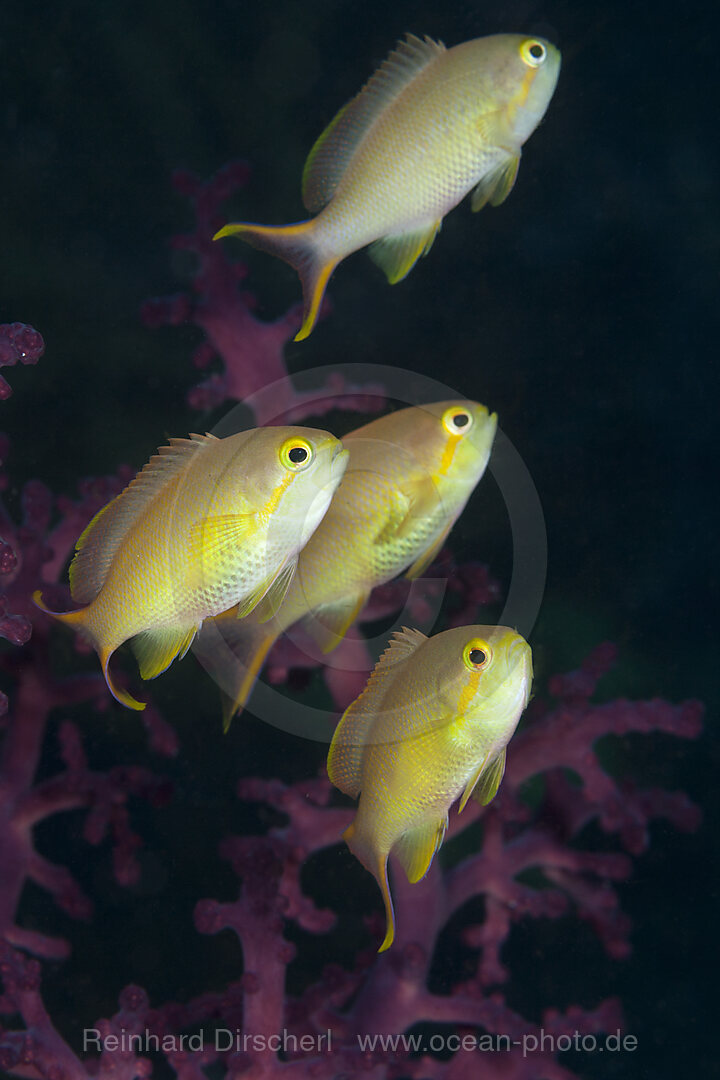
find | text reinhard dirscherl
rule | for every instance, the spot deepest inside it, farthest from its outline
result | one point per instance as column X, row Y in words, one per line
column 147, row 1042
column 223, row 1039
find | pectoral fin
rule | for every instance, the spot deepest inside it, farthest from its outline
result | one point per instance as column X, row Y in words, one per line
column 495, row 187
column 416, row 848
column 409, row 508
column 215, row 539
column 271, row 591
column 489, row 783
column 273, row 598
column 423, row 561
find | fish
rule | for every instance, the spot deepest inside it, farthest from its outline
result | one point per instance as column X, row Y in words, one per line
column 208, row 523
column 431, row 125
column 409, row 476
column 431, row 726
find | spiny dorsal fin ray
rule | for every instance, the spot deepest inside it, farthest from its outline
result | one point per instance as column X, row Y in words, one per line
column 334, row 149
column 99, row 543
column 349, row 741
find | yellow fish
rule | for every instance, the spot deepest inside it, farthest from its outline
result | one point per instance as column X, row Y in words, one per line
column 206, row 524
column 431, row 726
column 431, row 125
column 409, row 476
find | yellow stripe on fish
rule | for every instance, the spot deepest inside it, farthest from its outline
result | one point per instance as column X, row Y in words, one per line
column 207, row 524
column 409, row 477
column 430, row 727
column 431, row 125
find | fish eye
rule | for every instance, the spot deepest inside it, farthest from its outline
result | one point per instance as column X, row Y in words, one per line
column 296, row 454
column 457, row 421
column 477, row 654
column 533, row 53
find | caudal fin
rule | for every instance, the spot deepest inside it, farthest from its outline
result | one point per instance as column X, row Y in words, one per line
column 296, row 245
column 233, row 652
column 76, row 620
column 375, row 861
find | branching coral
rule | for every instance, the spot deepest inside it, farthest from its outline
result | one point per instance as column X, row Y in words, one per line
column 250, row 350
column 526, row 858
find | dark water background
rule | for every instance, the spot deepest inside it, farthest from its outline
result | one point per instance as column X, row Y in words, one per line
column 581, row 310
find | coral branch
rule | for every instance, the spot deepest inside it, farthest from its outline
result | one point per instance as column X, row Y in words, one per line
column 251, row 351
column 18, row 343
column 526, row 858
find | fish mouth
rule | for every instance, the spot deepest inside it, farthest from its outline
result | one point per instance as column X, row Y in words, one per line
column 338, row 461
column 520, row 656
column 519, row 649
column 485, row 429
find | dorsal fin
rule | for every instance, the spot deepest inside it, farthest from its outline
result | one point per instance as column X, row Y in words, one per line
column 98, row 545
column 334, row 149
column 350, row 739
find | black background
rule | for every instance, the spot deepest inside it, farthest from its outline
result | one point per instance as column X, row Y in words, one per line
column 581, row 310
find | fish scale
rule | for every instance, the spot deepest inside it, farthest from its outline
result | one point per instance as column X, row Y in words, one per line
column 430, row 126
column 407, row 481
column 431, row 725
column 207, row 524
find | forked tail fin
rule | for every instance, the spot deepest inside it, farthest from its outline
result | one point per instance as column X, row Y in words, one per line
column 296, row 245
column 77, row 620
column 233, row 652
column 376, row 862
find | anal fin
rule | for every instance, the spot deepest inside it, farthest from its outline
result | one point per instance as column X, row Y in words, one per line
column 397, row 255
column 416, row 848
column 156, row 649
